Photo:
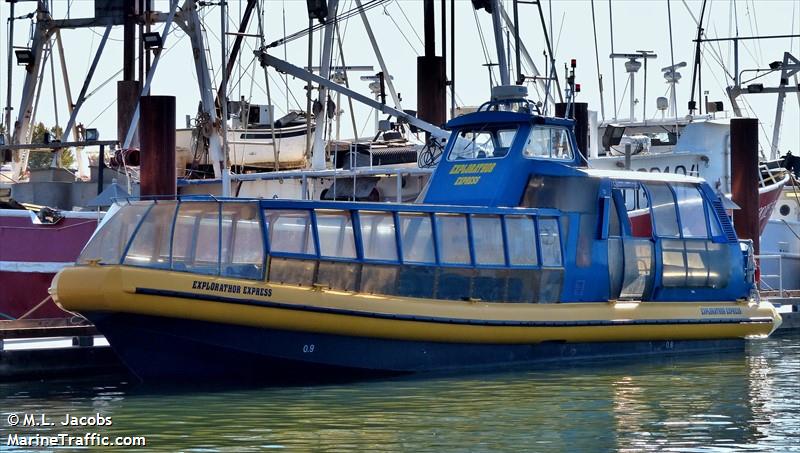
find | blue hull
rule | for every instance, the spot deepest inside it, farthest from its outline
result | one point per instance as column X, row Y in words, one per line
column 157, row 349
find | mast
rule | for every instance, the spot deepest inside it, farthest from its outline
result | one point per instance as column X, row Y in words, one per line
column 696, row 67
column 498, row 41
column 318, row 153
column 9, row 68
column 237, row 43
column 223, row 101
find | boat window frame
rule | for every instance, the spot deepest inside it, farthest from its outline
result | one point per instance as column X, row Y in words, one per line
column 533, row 218
column 360, row 252
column 312, row 219
column 138, row 229
column 124, row 250
column 561, row 239
column 264, row 239
column 470, row 262
column 473, row 249
column 572, row 148
column 705, row 205
column 496, row 128
column 353, row 225
column 135, row 233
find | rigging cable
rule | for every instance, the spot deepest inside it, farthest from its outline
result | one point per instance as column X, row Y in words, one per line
column 312, row 27
column 409, row 22
column 597, row 63
column 486, row 56
column 673, row 96
column 613, row 66
column 399, row 30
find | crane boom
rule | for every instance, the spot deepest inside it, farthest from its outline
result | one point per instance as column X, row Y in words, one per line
column 300, row 73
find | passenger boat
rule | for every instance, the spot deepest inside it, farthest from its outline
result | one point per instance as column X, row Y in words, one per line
column 516, row 255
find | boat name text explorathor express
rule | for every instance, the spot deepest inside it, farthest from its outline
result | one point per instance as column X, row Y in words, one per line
column 233, row 289
column 461, row 169
column 720, row 311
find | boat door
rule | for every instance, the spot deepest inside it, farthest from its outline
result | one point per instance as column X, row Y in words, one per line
column 630, row 243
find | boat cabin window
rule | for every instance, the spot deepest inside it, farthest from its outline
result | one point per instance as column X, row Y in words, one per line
column 692, row 211
column 550, row 242
column 290, row 231
column 637, row 204
column 242, row 241
column 416, row 237
column 336, row 238
column 150, row 246
column 548, row 142
column 108, row 243
column 484, row 143
column 684, row 214
column 662, row 205
column 663, row 138
column 195, row 241
column 451, row 229
column 378, row 235
column 521, row 234
column 487, row 235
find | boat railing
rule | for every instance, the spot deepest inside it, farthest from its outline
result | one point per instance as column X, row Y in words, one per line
column 762, row 282
column 397, row 172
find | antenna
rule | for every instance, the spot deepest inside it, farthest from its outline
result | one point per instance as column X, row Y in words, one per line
column 632, row 67
column 672, row 76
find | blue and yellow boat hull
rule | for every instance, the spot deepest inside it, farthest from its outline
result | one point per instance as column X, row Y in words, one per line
column 174, row 324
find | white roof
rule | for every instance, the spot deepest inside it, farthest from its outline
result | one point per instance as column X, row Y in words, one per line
column 641, row 176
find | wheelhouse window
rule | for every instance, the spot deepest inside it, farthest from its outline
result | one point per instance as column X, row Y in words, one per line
column 290, row 231
column 108, row 243
column 548, row 142
column 485, row 143
column 242, row 241
column 378, row 235
column 487, row 235
column 453, row 238
column 521, row 235
column 336, row 238
column 150, row 246
column 416, row 237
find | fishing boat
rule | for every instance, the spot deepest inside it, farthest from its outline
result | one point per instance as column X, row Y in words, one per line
column 516, row 254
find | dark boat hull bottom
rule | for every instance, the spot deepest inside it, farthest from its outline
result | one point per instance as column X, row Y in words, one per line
column 156, row 348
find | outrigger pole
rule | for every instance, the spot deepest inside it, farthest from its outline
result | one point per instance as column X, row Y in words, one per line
column 294, row 71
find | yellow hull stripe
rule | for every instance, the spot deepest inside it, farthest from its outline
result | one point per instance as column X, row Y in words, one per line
column 155, row 293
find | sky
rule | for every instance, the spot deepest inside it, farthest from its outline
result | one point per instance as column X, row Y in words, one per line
column 637, row 25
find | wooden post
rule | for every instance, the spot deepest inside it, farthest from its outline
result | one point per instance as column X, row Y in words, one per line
column 157, row 126
column 744, row 178
column 127, row 98
column 431, row 74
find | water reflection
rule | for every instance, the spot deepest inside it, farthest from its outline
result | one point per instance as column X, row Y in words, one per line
column 735, row 401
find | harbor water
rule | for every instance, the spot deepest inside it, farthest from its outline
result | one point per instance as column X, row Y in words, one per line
column 735, row 401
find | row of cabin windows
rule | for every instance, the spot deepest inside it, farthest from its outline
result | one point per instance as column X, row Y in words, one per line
column 227, row 238
column 678, row 211
column 291, row 232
